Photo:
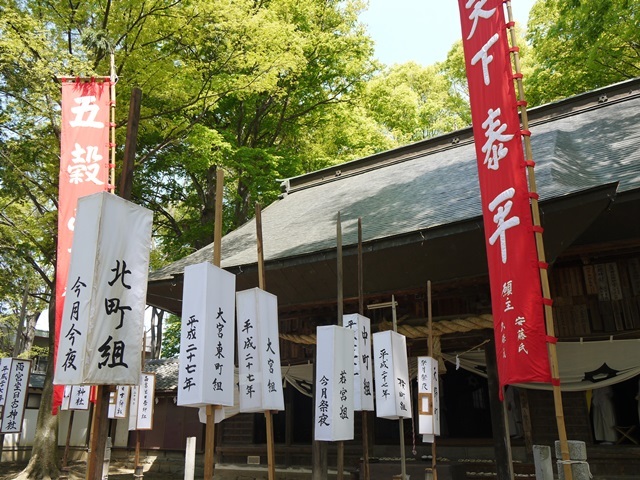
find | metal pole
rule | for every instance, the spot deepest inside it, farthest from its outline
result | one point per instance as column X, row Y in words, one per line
column 365, row 416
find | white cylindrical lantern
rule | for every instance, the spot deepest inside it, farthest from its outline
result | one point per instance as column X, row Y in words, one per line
column 334, row 384
column 393, row 400
column 259, row 374
column 207, row 337
column 428, row 398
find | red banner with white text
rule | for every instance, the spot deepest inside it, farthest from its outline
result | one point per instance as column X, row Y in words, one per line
column 84, row 169
column 518, row 312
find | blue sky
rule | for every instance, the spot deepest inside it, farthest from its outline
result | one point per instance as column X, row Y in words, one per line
column 420, row 30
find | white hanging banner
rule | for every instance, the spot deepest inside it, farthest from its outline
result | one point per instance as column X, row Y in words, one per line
column 428, row 399
column 334, row 411
column 79, row 398
column 146, row 401
column 66, row 398
column 259, row 377
column 362, row 366
column 5, row 369
column 17, row 391
column 122, row 401
column 391, row 375
column 103, row 317
column 207, row 337
column 133, row 408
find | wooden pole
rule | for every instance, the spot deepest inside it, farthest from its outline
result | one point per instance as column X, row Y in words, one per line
column 128, row 161
column 434, row 471
column 112, row 127
column 66, row 444
column 365, row 417
column 209, row 441
column 403, row 460
column 262, row 283
column 340, row 281
column 544, row 278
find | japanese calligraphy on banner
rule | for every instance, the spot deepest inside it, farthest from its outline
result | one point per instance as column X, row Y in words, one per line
column 259, row 374
column 5, row 368
column 393, row 400
column 79, row 397
column 362, row 366
column 122, row 401
column 84, row 169
column 207, row 337
column 103, row 317
column 511, row 252
column 334, row 384
column 428, row 399
column 17, row 392
column 146, row 401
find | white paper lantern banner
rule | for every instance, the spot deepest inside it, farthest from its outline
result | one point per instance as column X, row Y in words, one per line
column 393, row 400
column 103, row 317
column 5, row 369
column 362, row 361
column 259, row 377
column 428, row 399
column 207, row 337
column 334, row 411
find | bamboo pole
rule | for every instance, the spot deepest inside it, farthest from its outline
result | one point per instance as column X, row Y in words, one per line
column 544, row 278
column 365, row 416
column 262, row 283
column 209, row 449
column 340, row 281
column 112, row 126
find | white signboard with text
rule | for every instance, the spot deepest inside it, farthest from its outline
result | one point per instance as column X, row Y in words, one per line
column 103, row 317
column 334, row 412
column 259, row 374
column 428, row 399
column 17, row 392
column 393, row 400
column 5, row 369
column 122, row 401
column 133, row 408
column 146, row 401
column 207, row 337
column 362, row 362
column 79, row 398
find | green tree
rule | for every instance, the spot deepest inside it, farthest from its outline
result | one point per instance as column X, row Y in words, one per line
column 171, row 337
column 580, row 45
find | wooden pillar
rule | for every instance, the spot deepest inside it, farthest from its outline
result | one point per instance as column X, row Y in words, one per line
column 501, row 441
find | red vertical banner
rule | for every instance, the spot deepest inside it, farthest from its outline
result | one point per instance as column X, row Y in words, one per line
column 84, row 169
column 516, row 294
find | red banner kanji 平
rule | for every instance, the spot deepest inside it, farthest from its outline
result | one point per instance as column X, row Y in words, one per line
column 84, row 169
column 518, row 315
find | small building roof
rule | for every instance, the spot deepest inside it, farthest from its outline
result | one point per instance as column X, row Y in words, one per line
column 586, row 148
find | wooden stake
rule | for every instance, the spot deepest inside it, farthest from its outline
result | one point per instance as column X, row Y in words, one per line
column 546, row 292
column 262, row 283
column 365, row 416
column 209, row 444
column 340, row 280
column 434, row 471
column 66, row 444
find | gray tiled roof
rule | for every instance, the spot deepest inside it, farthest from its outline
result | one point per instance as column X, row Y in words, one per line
column 574, row 150
column 166, row 370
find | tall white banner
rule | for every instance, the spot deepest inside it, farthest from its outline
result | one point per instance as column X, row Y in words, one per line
column 17, row 391
column 428, row 399
column 5, row 369
column 207, row 337
column 334, row 384
column 133, row 408
column 362, row 362
column 259, row 373
column 103, row 316
column 393, row 400
column 146, row 401
column 122, row 401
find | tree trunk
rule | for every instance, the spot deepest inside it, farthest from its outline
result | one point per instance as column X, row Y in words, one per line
column 44, row 463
